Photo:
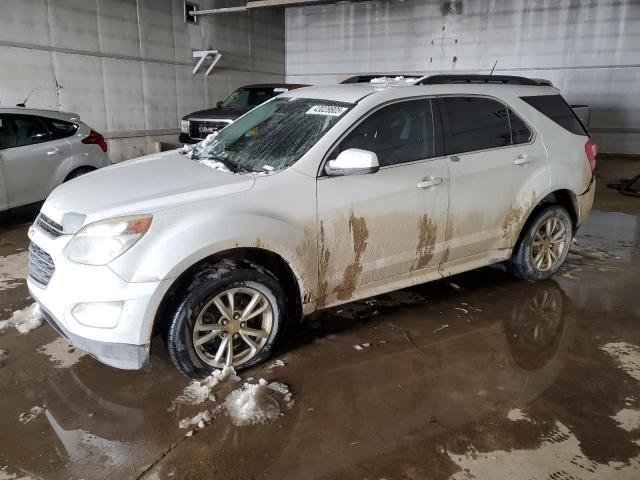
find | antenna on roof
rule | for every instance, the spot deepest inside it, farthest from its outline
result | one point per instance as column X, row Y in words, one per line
column 494, row 67
column 24, row 104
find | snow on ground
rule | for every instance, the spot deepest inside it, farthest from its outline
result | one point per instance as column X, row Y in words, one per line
column 517, row 415
column 627, row 356
column 252, row 403
column 200, row 390
column 13, row 270
column 200, row 419
column 558, row 457
column 61, row 353
column 32, row 414
column 628, row 419
column 256, row 402
column 4, row 355
column 24, row 320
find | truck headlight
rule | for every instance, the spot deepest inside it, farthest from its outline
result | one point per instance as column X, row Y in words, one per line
column 185, row 126
column 101, row 242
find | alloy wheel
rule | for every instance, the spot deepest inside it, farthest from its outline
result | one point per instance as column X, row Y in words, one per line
column 233, row 327
column 549, row 244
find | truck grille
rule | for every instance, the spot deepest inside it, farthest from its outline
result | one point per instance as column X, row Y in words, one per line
column 53, row 229
column 41, row 266
column 199, row 129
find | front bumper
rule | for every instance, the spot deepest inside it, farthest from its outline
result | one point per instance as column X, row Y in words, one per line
column 118, row 355
column 124, row 344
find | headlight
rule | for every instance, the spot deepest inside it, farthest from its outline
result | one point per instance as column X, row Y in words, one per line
column 185, row 126
column 100, row 242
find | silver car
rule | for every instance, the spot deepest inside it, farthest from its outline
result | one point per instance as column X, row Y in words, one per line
column 40, row 149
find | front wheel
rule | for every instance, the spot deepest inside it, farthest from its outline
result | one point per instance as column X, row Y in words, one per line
column 543, row 245
column 231, row 315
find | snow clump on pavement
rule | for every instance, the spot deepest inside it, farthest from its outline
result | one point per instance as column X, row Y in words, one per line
column 24, row 320
column 32, row 414
column 200, row 390
column 255, row 402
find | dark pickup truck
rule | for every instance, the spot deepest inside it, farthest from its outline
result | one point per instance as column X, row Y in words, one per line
column 197, row 125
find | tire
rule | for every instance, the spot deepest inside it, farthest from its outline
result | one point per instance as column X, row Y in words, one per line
column 78, row 172
column 525, row 262
column 199, row 316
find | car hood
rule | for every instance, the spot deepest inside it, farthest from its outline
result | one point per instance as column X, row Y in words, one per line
column 224, row 113
column 143, row 185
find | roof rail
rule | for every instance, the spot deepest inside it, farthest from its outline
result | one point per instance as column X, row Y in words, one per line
column 503, row 79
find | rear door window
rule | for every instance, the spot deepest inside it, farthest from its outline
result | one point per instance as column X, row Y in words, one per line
column 554, row 107
column 21, row 130
column 60, row 128
column 398, row 133
column 475, row 123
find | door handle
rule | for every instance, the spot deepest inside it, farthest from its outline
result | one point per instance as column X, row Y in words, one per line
column 430, row 182
column 523, row 160
column 53, row 151
column 455, row 158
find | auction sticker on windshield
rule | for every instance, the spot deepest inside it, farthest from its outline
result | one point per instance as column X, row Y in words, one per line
column 331, row 110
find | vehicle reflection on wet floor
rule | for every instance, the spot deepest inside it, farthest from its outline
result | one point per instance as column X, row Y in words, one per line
column 478, row 374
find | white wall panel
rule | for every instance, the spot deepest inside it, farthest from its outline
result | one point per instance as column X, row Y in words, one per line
column 118, row 27
column 24, row 22
column 80, row 87
column 160, row 96
column 156, row 29
column 190, row 91
column 590, row 49
column 74, row 24
column 23, row 70
column 124, row 95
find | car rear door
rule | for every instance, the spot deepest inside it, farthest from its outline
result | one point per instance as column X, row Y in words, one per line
column 31, row 159
column 497, row 170
column 378, row 226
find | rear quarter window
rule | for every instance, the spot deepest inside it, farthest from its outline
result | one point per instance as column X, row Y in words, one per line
column 60, row 128
column 555, row 107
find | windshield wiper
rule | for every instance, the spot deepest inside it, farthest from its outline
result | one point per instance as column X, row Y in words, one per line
column 234, row 167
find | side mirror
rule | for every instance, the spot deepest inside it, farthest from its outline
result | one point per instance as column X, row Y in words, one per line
column 353, row 162
column 219, row 103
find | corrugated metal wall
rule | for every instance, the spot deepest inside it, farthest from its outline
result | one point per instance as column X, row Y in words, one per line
column 588, row 48
column 126, row 65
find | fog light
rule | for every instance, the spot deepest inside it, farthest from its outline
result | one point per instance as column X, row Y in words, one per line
column 98, row 315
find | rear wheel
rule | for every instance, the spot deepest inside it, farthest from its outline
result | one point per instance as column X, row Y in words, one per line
column 543, row 245
column 231, row 315
column 78, row 172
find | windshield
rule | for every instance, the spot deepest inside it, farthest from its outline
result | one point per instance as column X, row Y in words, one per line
column 271, row 137
column 251, row 97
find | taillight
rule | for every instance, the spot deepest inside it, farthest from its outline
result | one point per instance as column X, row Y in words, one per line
column 297, row 85
column 591, row 149
column 97, row 139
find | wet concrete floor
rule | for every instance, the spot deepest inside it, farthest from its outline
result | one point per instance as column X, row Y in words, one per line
column 475, row 376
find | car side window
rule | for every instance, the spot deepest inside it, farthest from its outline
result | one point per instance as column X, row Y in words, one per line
column 398, row 133
column 475, row 123
column 59, row 128
column 7, row 133
column 21, row 130
column 520, row 132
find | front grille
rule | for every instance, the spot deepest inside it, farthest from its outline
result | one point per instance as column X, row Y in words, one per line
column 41, row 266
column 53, row 229
column 199, row 129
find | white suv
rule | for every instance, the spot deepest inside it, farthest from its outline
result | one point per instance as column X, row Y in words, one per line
column 40, row 149
column 321, row 196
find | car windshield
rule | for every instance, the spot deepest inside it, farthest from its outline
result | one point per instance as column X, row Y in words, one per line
column 251, row 97
column 271, row 137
